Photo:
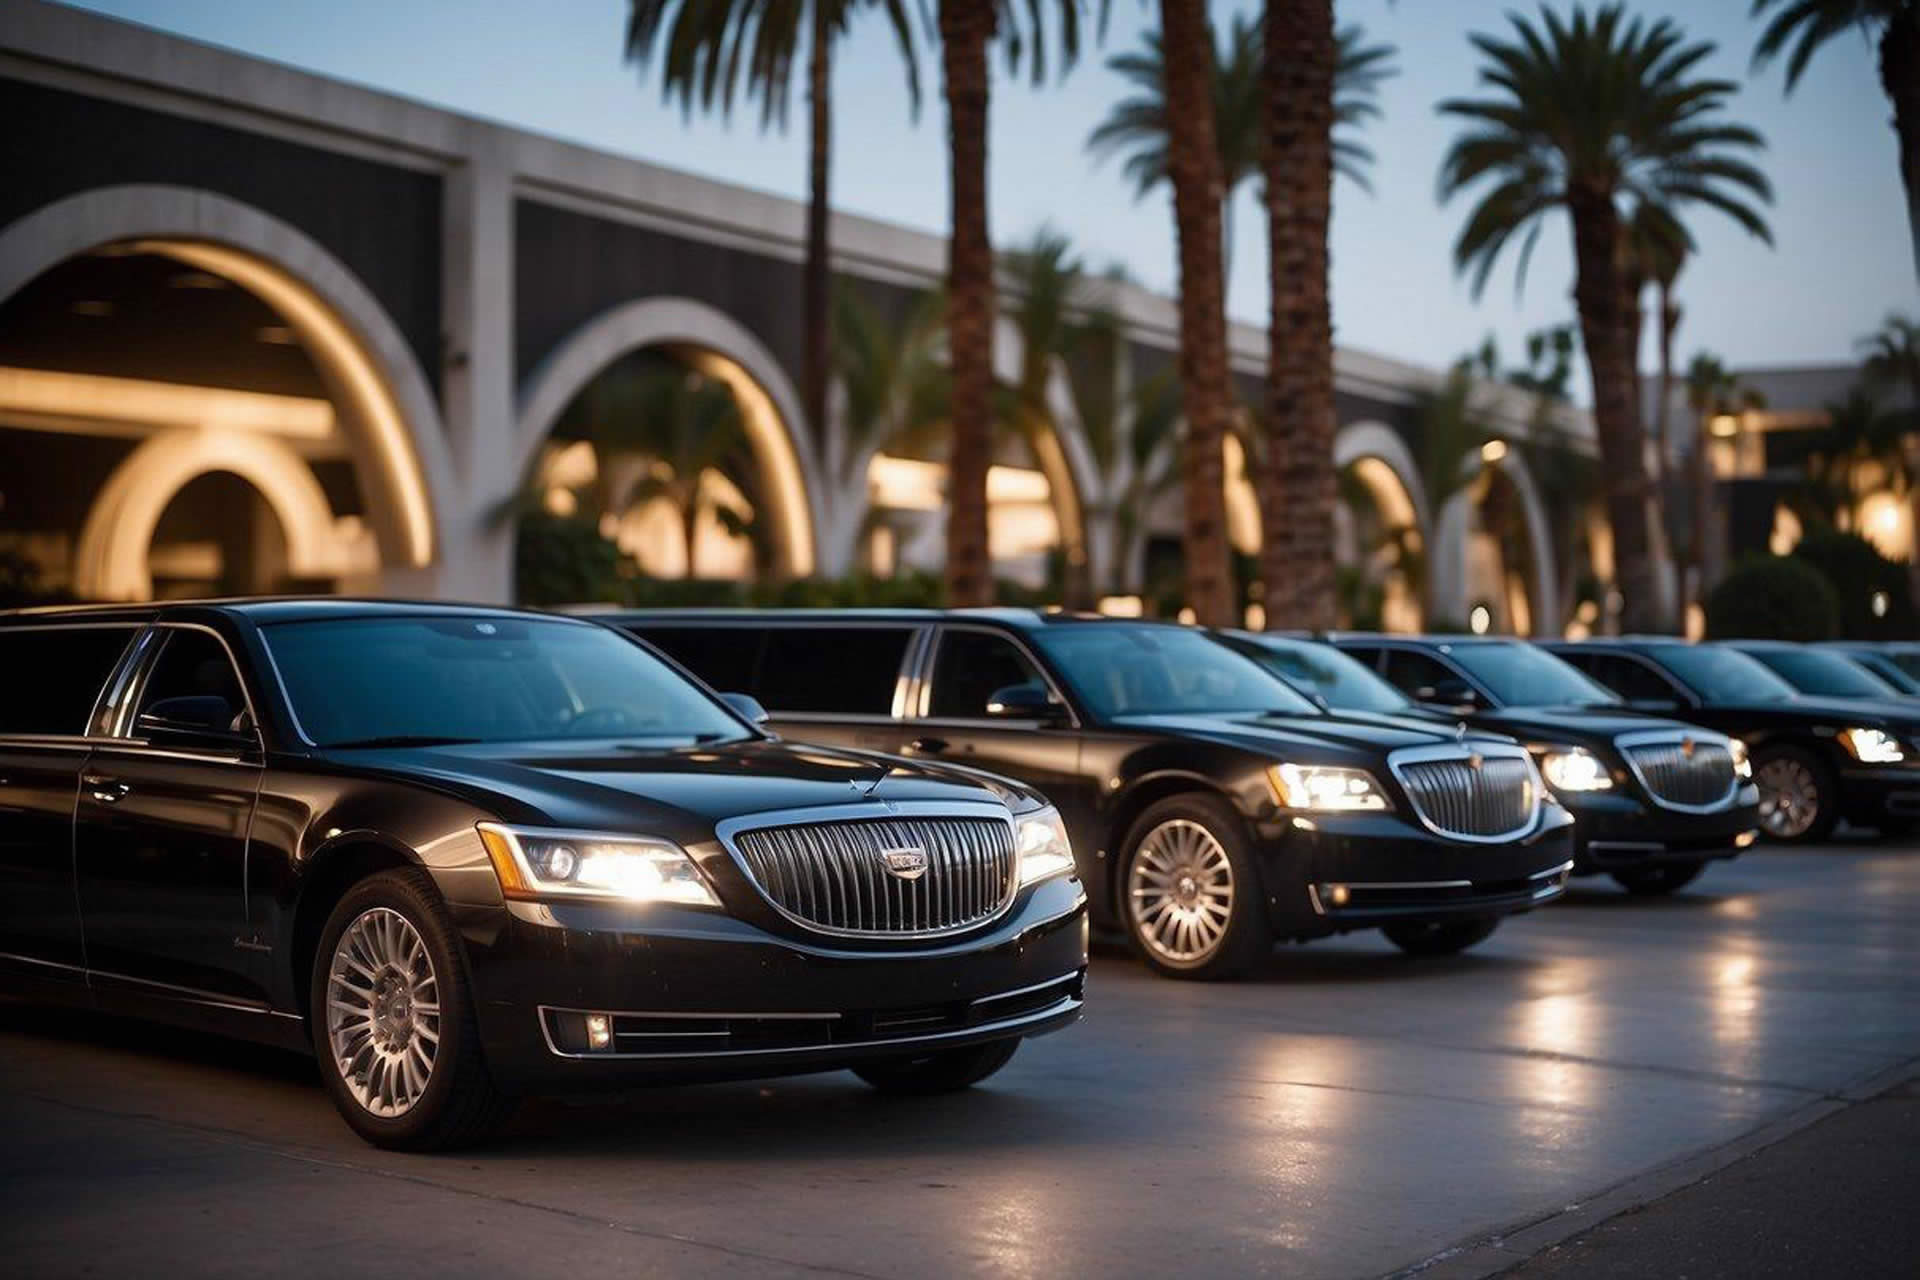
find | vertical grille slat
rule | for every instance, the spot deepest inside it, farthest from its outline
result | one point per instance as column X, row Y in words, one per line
column 832, row 876
column 1454, row 797
column 1696, row 778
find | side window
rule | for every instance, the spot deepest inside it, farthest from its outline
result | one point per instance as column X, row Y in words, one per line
column 832, row 670
column 58, row 673
column 194, row 664
column 970, row 667
column 1629, row 679
column 1368, row 658
column 728, row 658
column 1410, row 671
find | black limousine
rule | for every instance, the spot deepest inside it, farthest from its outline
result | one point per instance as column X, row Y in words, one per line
column 1212, row 808
column 464, row 853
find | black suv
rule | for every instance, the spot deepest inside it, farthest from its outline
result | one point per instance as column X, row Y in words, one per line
column 1655, row 799
column 1212, row 807
column 1817, row 760
column 459, row 853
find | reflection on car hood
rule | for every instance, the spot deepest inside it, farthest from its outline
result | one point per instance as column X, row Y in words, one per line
column 1574, row 724
column 1356, row 733
column 602, row 784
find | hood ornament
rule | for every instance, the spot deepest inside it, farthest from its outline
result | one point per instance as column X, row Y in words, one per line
column 1460, row 733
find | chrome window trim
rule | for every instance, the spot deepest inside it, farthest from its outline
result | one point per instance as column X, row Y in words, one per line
column 126, row 713
column 1674, row 737
column 871, row 811
column 1459, row 754
column 925, row 699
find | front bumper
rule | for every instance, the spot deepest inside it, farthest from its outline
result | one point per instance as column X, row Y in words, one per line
column 1871, row 796
column 700, row 995
column 1394, row 871
column 1618, row 828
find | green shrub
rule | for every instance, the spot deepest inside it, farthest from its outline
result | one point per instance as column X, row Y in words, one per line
column 1857, row 572
column 1773, row 598
column 564, row 560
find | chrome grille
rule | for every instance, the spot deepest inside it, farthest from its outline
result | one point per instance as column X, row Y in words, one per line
column 1696, row 778
column 833, row 876
column 1495, row 800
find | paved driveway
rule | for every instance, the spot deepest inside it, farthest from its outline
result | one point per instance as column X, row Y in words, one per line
column 1350, row 1112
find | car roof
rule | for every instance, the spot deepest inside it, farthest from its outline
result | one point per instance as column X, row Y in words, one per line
column 1394, row 637
column 1023, row 619
column 270, row 609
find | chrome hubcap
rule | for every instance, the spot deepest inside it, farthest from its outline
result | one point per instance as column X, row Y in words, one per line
column 1789, row 797
column 1180, row 892
column 383, row 1012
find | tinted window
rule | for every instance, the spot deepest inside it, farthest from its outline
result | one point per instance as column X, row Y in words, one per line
column 1908, row 661
column 1721, row 675
column 1887, row 670
column 839, row 670
column 193, row 664
column 1120, row 669
column 1632, row 680
column 1826, row 675
column 970, row 667
column 1344, row 682
column 1414, row 673
column 54, row 674
column 492, row 679
column 725, row 657
column 1520, row 675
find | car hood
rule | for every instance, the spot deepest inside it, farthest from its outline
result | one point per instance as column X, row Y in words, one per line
column 607, row 785
column 1836, row 711
column 1574, row 724
column 1359, row 735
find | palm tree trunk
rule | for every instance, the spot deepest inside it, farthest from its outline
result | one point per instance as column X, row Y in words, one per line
column 966, row 26
column 1298, row 488
column 1663, row 438
column 817, row 285
column 1604, row 328
column 1702, row 505
column 690, row 524
column 1900, row 76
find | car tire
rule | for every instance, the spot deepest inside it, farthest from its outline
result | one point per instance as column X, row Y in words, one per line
column 392, row 1019
column 1799, row 796
column 1439, row 937
column 1190, row 895
column 1666, row 877
column 946, row 1072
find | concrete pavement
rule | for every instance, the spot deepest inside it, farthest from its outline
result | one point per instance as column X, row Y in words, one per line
column 1349, row 1112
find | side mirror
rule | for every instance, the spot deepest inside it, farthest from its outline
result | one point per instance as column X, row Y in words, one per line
column 205, row 719
column 1025, row 702
column 747, row 707
column 1448, row 693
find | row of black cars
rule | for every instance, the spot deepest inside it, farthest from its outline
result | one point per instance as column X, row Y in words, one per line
column 462, row 853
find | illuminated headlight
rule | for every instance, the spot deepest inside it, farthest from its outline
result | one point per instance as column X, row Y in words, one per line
column 1872, row 746
column 1041, row 840
column 1574, row 769
column 1742, row 762
column 556, row 864
column 1326, row 788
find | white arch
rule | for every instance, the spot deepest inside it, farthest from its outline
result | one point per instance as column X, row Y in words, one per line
column 1449, row 561
column 1062, row 453
column 718, row 346
column 391, row 420
column 1360, row 441
column 110, row 562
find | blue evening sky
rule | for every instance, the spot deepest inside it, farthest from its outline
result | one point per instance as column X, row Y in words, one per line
column 1840, row 264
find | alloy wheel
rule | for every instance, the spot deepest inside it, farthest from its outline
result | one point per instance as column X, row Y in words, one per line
column 1180, row 892
column 1789, row 797
column 383, row 1012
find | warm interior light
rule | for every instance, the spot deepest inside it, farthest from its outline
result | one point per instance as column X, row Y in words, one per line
column 1493, row 451
column 1724, row 425
column 1480, row 621
column 160, row 404
column 773, row 452
column 1122, row 606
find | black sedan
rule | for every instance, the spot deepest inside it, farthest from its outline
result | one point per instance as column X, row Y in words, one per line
column 1817, row 760
column 461, row 853
column 1655, row 799
column 1897, row 664
column 1819, row 672
column 1213, row 808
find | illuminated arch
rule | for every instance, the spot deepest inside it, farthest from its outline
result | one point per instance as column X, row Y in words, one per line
column 389, row 416
column 1060, row 452
column 719, row 347
column 110, row 560
column 1449, row 563
column 1384, row 464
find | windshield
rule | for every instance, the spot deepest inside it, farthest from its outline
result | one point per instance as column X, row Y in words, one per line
column 394, row 681
column 1887, row 668
column 1344, row 682
column 1120, row 669
column 1520, row 675
column 1826, row 675
column 1722, row 675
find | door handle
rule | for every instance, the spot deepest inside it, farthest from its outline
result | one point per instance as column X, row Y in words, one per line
column 929, row 746
column 104, row 789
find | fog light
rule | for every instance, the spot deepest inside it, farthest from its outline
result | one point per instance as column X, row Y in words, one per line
column 1745, row 838
column 599, row 1031
column 1337, row 895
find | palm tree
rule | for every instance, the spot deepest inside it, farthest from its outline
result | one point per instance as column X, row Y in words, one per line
column 1585, row 113
column 705, row 44
column 1712, row 393
column 1809, row 24
column 1893, row 365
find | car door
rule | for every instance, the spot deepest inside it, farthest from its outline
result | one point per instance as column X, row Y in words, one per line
column 55, row 676
column 160, row 836
column 840, row 684
column 951, row 722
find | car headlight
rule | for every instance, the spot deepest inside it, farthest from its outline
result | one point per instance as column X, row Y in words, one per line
column 1040, row 840
column 1742, row 761
column 570, row 864
column 1574, row 769
column 1872, row 746
column 1326, row 788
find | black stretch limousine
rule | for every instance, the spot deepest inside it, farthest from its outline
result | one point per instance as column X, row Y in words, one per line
column 1212, row 807
column 461, row 853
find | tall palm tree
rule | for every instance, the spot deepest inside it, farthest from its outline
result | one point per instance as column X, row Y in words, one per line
column 1585, row 113
column 1893, row 365
column 1809, row 24
column 706, row 42
column 967, row 29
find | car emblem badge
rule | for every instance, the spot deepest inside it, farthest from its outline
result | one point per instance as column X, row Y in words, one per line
column 1686, row 747
column 1475, row 762
column 904, row 863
